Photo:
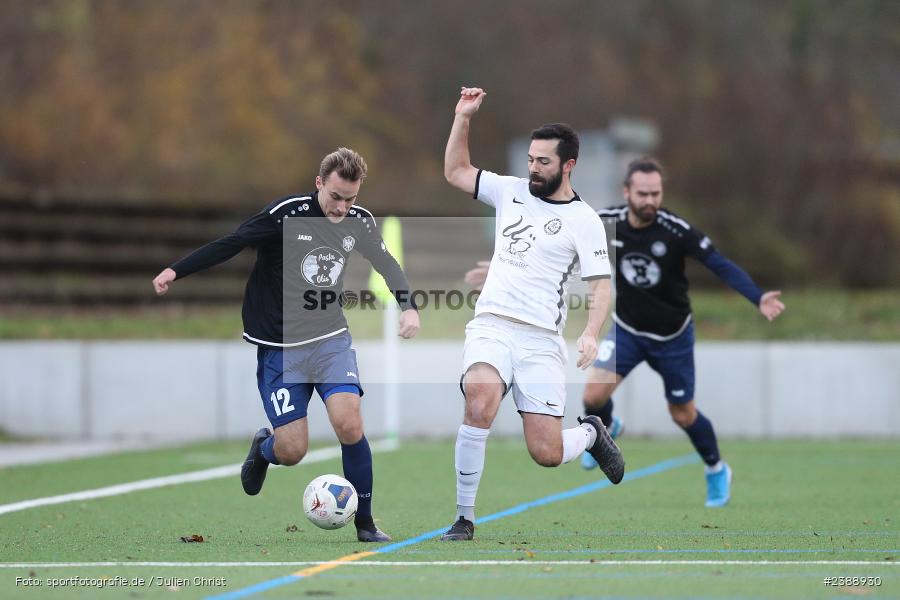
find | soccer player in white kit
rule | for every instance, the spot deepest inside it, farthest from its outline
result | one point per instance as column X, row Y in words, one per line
column 514, row 343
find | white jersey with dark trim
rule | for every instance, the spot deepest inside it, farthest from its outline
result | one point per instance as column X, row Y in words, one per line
column 538, row 246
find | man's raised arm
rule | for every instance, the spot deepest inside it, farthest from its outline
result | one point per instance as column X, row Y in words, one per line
column 458, row 167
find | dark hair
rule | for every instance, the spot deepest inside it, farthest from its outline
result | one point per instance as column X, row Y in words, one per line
column 568, row 139
column 348, row 164
column 645, row 164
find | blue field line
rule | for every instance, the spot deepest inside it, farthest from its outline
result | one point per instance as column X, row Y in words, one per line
column 596, row 552
column 590, row 487
column 579, row 491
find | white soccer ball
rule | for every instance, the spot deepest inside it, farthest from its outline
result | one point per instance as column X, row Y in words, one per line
column 330, row 501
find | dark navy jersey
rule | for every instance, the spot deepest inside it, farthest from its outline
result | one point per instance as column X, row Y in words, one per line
column 651, row 285
column 292, row 295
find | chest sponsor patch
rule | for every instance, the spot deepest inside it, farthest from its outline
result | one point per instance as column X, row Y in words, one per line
column 520, row 239
column 322, row 267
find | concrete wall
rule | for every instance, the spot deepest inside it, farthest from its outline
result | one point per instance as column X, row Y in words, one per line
column 176, row 390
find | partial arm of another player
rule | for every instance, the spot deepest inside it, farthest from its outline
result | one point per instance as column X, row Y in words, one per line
column 769, row 303
column 600, row 291
column 477, row 276
column 458, row 167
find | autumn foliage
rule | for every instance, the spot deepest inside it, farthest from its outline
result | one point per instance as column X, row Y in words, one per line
column 778, row 120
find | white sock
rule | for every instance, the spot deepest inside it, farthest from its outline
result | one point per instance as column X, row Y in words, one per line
column 575, row 440
column 470, row 445
column 711, row 470
column 466, row 512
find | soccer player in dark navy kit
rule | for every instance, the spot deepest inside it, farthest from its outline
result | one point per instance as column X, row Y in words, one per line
column 652, row 319
column 293, row 315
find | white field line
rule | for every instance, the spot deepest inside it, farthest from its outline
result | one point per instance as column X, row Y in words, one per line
column 453, row 563
column 315, row 456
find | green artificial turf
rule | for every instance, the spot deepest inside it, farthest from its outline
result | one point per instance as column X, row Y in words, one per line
column 797, row 501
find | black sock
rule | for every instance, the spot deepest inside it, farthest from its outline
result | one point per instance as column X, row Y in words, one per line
column 604, row 412
column 367, row 523
column 357, row 460
column 704, row 439
column 268, row 450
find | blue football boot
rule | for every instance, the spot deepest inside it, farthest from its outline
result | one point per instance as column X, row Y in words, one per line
column 718, row 487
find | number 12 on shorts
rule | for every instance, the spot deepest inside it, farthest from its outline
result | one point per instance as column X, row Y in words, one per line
column 285, row 397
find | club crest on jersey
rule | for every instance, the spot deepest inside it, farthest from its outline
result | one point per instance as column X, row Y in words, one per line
column 640, row 270
column 659, row 249
column 348, row 243
column 322, row 267
column 552, row 226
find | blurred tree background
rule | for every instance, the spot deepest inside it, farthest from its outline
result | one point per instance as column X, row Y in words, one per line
column 779, row 120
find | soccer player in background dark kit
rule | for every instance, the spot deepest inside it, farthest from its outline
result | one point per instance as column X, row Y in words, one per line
column 306, row 345
column 652, row 317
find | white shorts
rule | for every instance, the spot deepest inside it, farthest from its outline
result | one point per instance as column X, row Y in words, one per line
column 531, row 361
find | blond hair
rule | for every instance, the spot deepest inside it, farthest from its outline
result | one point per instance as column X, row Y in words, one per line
column 347, row 163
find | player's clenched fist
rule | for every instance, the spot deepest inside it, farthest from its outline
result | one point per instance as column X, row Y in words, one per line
column 469, row 101
column 409, row 323
column 161, row 282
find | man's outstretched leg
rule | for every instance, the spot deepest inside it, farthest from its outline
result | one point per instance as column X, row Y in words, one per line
column 483, row 389
column 551, row 446
column 285, row 403
column 356, row 456
column 700, row 431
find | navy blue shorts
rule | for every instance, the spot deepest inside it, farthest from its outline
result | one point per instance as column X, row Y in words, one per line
column 286, row 377
column 621, row 351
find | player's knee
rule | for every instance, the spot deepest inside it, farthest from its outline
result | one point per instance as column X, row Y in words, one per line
column 683, row 415
column 481, row 420
column 290, row 456
column 546, row 455
column 290, row 453
column 481, row 393
column 595, row 395
column 545, row 452
column 547, row 460
column 479, row 402
column 349, row 431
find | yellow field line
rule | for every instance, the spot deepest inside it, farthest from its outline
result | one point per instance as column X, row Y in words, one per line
column 333, row 563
